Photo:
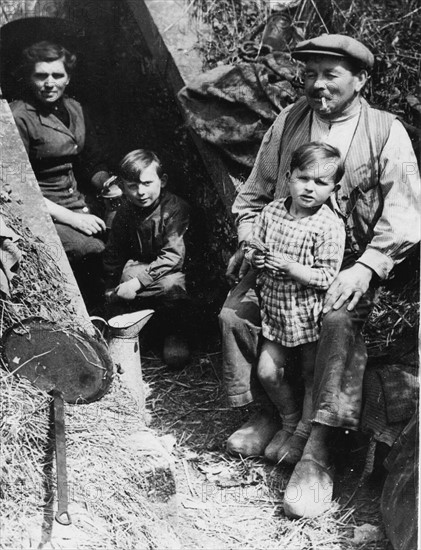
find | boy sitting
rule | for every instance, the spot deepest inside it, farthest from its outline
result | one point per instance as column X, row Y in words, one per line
column 145, row 252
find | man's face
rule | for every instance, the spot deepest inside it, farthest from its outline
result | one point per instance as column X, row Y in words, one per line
column 145, row 192
column 48, row 81
column 330, row 86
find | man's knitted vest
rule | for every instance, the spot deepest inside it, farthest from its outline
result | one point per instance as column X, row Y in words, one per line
column 359, row 198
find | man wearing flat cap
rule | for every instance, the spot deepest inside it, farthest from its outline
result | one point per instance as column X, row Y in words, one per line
column 378, row 200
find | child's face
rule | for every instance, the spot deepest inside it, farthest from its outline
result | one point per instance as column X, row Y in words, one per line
column 312, row 186
column 145, row 192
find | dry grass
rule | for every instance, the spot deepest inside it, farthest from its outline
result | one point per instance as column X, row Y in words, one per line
column 229, row 502
column 38, row 289
column 224, row 502
column 110, row 482
column 394, row 320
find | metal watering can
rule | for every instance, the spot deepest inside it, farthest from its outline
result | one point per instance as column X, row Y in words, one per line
column 121, row 333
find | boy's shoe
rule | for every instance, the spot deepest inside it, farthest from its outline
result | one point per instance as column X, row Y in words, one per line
column 254, row 436
column 292, row 451
column 277, row 442
column 176, row 352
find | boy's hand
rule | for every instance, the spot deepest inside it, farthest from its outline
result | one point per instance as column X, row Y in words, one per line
column 258, row 259
column 277, row 262
column 128, row 290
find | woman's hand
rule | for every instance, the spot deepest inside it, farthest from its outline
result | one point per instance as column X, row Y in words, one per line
column 86, row 223
column 128, row 290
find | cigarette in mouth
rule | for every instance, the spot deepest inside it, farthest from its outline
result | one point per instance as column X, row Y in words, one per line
column 324, row 104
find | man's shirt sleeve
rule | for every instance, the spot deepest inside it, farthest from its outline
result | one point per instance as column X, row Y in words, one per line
column 259, row 189
column 398, row 228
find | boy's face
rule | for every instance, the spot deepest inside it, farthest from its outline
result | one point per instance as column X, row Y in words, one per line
column 312, row 186
column 145, row 192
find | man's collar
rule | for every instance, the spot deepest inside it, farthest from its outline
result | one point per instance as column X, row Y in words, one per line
column 353, row 114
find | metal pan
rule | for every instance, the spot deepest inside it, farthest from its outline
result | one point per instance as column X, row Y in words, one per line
column 72, row 366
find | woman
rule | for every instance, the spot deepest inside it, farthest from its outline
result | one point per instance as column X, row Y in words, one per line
column 59, row 139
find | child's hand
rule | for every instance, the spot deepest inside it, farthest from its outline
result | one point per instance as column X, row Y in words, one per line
column 128, row 290
column 277, row 262
column 258, row 259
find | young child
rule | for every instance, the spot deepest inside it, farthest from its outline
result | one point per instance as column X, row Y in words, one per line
column 297, row 245
column 145, row 252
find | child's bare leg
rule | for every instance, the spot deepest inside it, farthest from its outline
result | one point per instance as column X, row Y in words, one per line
column 271, row 370
column 292, row 451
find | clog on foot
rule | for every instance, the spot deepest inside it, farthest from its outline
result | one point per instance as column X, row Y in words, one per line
column 292, row 451
column 277, row 442
column 254, row 436
column 309, row 491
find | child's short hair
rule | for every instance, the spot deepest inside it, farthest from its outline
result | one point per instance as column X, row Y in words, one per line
column 133, row 164
column 317, row 152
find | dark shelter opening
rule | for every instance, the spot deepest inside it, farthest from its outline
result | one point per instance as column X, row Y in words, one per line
column 132, row 106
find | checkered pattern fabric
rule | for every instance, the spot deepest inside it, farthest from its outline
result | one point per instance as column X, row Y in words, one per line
column 291, row 311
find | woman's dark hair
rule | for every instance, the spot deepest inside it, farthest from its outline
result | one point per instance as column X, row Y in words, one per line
column 315, row 154
column 133, row 164
column 46, row 51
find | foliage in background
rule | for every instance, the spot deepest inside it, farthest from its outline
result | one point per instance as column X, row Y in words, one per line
column 390, row 28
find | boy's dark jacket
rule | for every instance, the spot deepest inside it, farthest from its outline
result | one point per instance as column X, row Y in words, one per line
column 154, row 237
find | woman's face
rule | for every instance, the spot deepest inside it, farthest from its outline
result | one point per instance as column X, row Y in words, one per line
column 48, row 80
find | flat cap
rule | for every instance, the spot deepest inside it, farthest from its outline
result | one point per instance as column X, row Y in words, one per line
column 338, row 45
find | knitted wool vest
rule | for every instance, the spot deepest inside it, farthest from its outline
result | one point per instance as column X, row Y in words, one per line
column 359, row 198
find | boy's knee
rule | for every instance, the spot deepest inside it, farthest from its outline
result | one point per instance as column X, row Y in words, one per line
column 268, row 374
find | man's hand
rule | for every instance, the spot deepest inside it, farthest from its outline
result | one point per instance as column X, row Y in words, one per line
column 128, row 290
column 350, row 283
column 86, row 223
column 237, row 267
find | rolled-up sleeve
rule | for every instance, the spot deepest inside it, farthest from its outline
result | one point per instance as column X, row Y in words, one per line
column 398, row 228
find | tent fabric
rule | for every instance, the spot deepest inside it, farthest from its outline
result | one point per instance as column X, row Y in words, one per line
column 232, row 106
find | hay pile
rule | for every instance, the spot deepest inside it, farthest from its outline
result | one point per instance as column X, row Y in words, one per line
column 38, row 289
column 117, row 490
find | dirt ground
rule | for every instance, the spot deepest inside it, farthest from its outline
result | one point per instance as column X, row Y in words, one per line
column 230, row 503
